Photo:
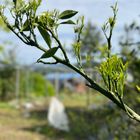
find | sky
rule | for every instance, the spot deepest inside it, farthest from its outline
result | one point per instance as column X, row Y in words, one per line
column 95, row 11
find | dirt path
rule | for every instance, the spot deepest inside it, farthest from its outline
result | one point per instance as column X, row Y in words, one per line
column 12, row 126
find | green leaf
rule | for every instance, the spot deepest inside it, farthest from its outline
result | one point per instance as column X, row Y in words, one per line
column 45, row 35
column 67, row 14
column 67, row 22
column 26, row 26
column 138, row 88
column 51, row 52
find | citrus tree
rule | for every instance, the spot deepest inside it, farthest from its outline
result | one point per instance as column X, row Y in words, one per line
column 26, row 23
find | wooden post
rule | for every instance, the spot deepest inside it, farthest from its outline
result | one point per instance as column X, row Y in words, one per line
column 56, row 84
column 27, row 83
column 17, row 83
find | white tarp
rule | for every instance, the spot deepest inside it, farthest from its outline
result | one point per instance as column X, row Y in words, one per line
column 57, row 116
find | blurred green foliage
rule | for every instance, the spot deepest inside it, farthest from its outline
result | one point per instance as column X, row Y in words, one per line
column 7, row 86
column 38, row 84
column 34, row 84
column 50, row 89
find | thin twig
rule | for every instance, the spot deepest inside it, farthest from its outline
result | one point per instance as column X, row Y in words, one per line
column 50, row 63
column 59, row 43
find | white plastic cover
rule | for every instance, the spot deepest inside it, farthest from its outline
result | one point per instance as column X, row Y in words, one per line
column 57, row 116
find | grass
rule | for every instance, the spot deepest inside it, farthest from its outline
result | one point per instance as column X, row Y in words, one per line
column 104, row 123
column 14, row 126
column 83, row 99
column 11, row 124
column 99, row 123
column 5, row 105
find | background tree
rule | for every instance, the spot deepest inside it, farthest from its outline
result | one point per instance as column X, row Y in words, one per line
column 130, row 50
column 91, row 44
column 7, row 82
column 8, row 62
